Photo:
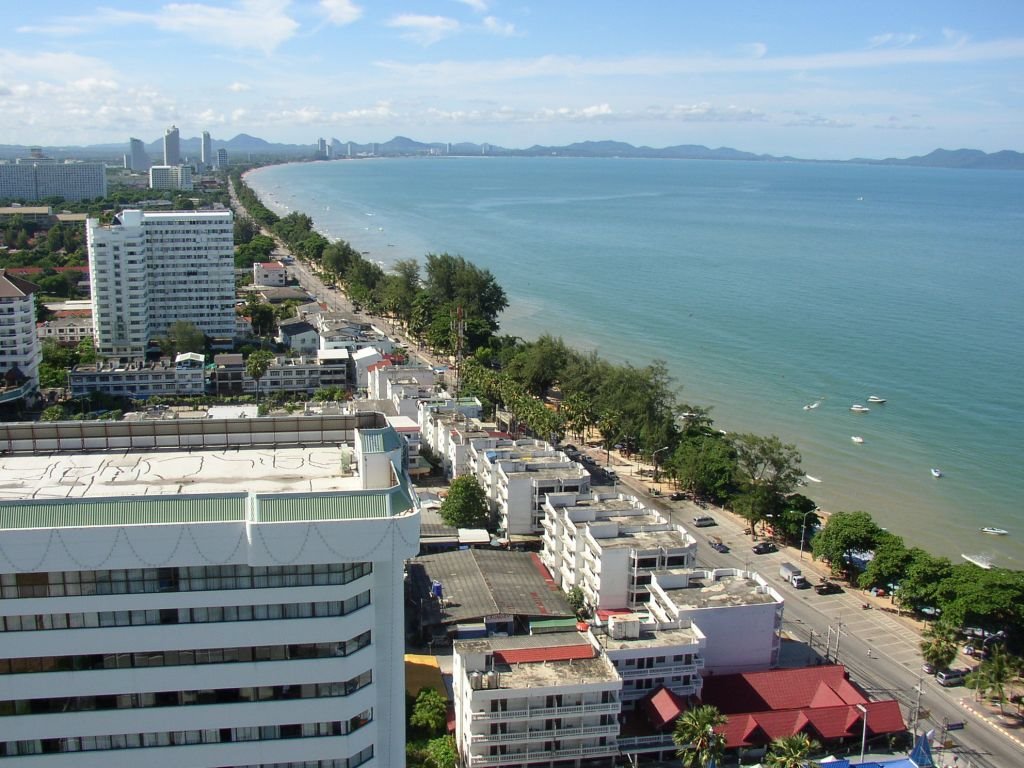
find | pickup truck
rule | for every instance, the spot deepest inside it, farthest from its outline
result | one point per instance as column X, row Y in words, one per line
column 827, row 587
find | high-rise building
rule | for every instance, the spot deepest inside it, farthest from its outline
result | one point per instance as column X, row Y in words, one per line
column 206, row 156
column 170, row 177
column 34, row 178
column 172, row 147
column 236, row 600
column 222, row 159
column 321, row 149
column 150, row 270
column 19, row 344
column 138, row 159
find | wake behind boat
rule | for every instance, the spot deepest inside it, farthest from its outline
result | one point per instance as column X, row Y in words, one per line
column 857, row 439
column 994, row 531
column 812, row 478
column 812, row 406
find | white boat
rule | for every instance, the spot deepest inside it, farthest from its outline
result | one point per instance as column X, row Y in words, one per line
column 982, row 561
column 812, row 406
column 994, row 531
column 936, row 472
column 858, row 408
column 812, row 478
column 857, row 439
column 876, row 399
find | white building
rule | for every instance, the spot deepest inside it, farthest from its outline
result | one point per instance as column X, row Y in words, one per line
column 206, row 150
column 327, row 368
column 20, row 353
column 546, row 700
column 209, row 603
column 139, row 379
column 35, row 178
column 362, row 359
column 738, row 612
column 447, row 424
column 172, row 146
column 221, row 163
column 170, row 177
column 138, row 158
column 272, row 273
column 610, row 545
column 150, row 270
column 65, row 330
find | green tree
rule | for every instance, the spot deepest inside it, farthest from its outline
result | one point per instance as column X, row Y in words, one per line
column 889, row 563
column 694, row 736
column 430, row 712
column 53, row 413
column 466, row 505
column 843, row 533
column 185, row 337
column 577, row 601
column 767, row 462
column 87, row 350
column 442, row 752
column 256, row 366
column 921, row 585
column 791, row 751
column 261, row 316
column 539, row 364
column 939, row 644
column 704, row 465
column 993, row 675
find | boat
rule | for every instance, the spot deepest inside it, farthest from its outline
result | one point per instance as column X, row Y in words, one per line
column 857, row 439
column 858, row 408
column 812, row 406
column 936, row 472
column 876, row 399
column 982, row 561
column 812, row 478
column 994, row 531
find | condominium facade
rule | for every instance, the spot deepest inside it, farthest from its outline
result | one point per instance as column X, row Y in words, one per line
column 20, row 353
column 138, row 379
column 209, row 603
column 170, row 177
column 172, row 146
column 221, row 163
column 138, row 158
column 150, row 270
column 206, row 150
column 36, row 178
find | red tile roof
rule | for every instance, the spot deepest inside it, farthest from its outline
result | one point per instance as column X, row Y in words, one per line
column 663, row 707
column 532, row 655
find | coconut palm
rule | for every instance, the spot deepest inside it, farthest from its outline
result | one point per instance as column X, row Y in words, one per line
column 991, row 678
column 695, row 736
column 939, row 644
column 791, row 752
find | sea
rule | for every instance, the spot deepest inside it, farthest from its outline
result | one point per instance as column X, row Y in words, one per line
column 765, row 287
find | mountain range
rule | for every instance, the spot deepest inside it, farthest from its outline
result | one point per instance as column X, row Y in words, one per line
column 253, row 148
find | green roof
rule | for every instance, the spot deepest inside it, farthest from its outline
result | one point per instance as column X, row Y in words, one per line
column 137, row 510
column 287, row 508
column 382, row 440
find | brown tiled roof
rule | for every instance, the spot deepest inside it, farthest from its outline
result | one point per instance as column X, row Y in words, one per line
column 12, row 287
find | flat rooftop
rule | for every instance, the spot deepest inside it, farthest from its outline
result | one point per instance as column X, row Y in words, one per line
column 727, row 591
column 543, row 673
column 172, row 473
column 650, row 638
column 645, row 540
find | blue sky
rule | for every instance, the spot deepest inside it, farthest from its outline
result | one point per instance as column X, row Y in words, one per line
column 811, row 79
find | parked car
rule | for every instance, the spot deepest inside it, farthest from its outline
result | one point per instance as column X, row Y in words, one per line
column 928, row 669
column 719, row 546
column 764, row 548
column 827, row 587
column 678, row 496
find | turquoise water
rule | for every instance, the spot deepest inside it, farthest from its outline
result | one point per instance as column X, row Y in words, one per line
column 764, row 287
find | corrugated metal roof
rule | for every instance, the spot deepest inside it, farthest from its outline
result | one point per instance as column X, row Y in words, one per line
column 534, row 655
column 380, row 440
column 138, row 510
column 340, row 506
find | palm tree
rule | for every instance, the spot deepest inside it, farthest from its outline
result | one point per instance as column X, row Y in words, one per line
column 256, row 365
column 939, row 644
column 993, row 675
column 695, row 736
column 791, row 752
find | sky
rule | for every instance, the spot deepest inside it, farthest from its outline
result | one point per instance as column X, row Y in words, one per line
column 830, row 80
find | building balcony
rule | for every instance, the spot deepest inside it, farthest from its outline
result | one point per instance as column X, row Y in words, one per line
column 643, row 743
column 543, row 755
column 529, row 714
column 661, row 671
column 546, row 735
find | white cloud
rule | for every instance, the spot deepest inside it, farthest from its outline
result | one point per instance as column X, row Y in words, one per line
column 425, row 30
column 480, row 6
column 237, row 87
column 50, row 66
column 341, row 12
column 893, row 40
column 804, row 120
column 754, row 50
column 498, row 27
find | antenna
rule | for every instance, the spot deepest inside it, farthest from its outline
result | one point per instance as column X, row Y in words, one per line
column 458, row 332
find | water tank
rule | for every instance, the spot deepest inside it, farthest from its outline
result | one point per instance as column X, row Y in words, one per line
column 475, row 681
column 435, row 589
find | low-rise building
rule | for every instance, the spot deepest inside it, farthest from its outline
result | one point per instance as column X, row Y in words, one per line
column 270, row 273
column 300, row 374
column 68, row 331
column 298, row 335
column 547, row 700
column 737, row 610
column 139, row 379
column 523, row 481
column 170, row 177
column 227, row 374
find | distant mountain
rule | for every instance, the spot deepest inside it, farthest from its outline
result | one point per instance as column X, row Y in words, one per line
column 244, row 146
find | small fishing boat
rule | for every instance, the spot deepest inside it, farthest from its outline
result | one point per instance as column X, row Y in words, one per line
column 876, row 399
column 857, row 439
column 936, row 472
column 812, row 406
column 982, row 561
column 858, row 408
column 812, row 478
column 994, row 531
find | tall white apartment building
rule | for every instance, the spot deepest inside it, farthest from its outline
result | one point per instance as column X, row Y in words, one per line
column 20, row 353
column 221, row 163
column 170, row 177
column 150, row 270
column 206, row 604
column 610, row 545
column 206, row 150
column 172, row 146
column 36, row 178
column 545, row 700
column 138, row 158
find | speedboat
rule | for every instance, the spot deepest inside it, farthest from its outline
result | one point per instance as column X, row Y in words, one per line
column 857, row 439
column 812, row 478
column 812, row 406
column 936, row 472
column 982, row 561
column 858, row 408
column 876, row 399
column 994, row 531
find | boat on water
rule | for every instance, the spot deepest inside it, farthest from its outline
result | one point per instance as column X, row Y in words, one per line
column 812, row 478
column 858, row 408
column 812, row 406
column 982, row 561
column 936, row 472
column 857, row 439
column 994, row 531
column 876, row 399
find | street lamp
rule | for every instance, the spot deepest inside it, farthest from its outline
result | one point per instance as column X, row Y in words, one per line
column 864, row 729
column 803, row 532
column 654, row 459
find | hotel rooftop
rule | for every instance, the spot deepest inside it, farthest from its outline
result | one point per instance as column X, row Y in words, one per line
column 713, row 589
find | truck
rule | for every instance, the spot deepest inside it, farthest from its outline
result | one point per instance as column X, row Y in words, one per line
column 792, row 574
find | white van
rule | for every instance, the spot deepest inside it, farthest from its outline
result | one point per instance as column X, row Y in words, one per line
column 703, row 521
column 950, row 677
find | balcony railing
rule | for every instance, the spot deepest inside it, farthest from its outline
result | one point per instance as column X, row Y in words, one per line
column 547, row 735
column 663, row 670
column 543, row 754
column 635, row 743
column 526, row 714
